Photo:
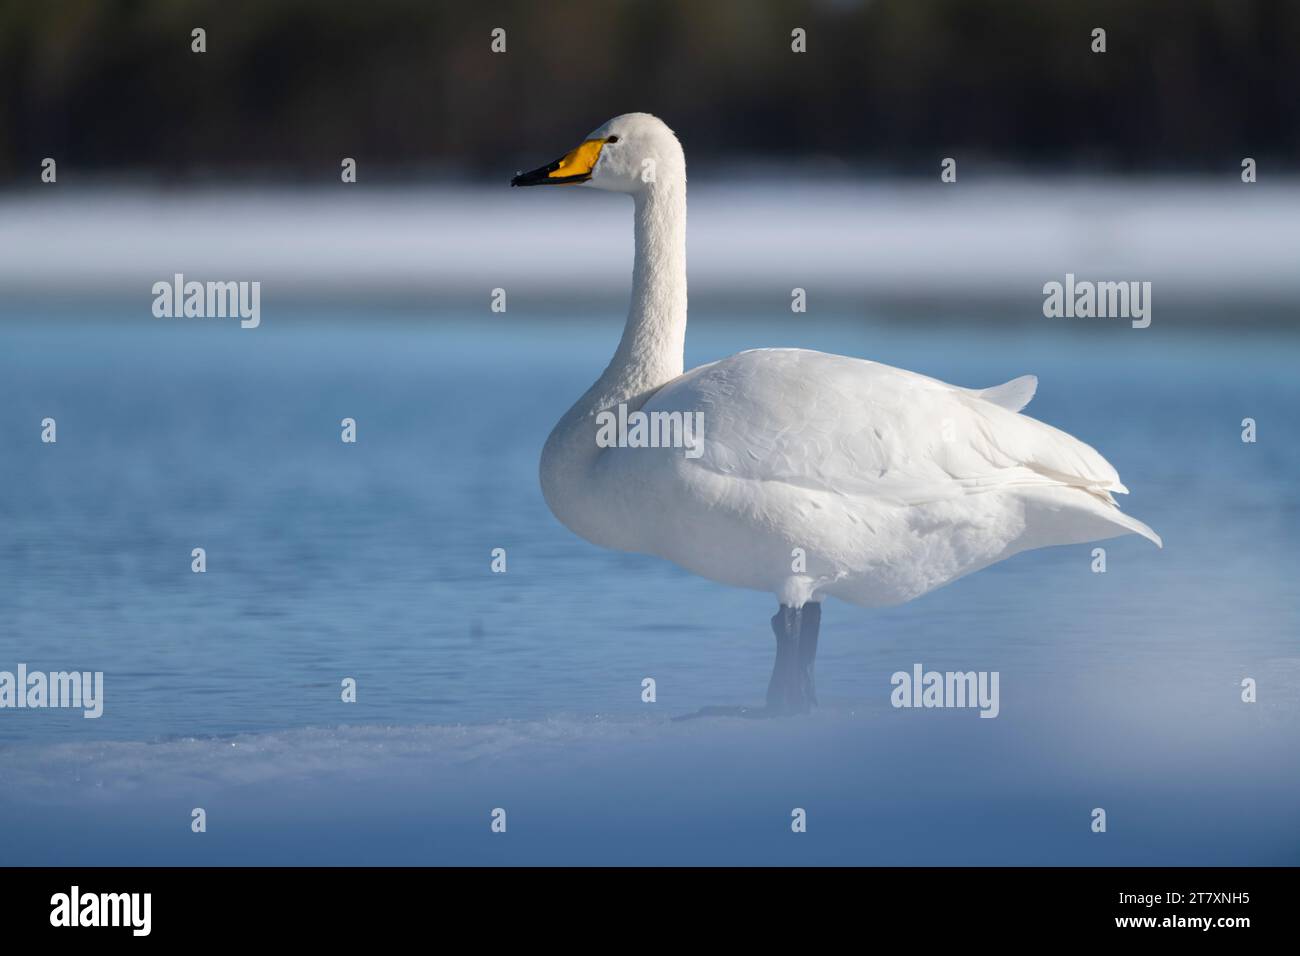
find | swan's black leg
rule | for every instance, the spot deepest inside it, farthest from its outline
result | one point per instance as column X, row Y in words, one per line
column 808, row 631
column 785, row 626
column 792, row 689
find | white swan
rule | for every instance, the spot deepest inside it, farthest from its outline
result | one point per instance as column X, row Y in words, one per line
column 818, row 475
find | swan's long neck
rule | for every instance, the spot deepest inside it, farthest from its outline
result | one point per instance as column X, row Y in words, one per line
column 651, row 350
column 649, row 355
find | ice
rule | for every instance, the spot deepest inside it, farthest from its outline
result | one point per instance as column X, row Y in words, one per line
column 1191, row 238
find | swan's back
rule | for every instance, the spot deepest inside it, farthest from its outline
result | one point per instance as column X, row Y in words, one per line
column 874, row 471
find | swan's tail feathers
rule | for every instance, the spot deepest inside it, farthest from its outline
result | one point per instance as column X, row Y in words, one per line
column 1137, row 527
column 1059, row 514
column 1013, row 395
column 1025, row 451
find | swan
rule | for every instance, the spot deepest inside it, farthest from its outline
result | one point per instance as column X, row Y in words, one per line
column 816, row 475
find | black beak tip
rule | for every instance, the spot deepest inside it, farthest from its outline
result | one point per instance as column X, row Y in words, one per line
column 533, row 177
column 536, row 177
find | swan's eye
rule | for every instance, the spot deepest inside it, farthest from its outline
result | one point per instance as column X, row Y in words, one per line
column 611, row 139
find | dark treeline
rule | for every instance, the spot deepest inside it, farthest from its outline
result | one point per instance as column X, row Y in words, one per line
column 286, row 87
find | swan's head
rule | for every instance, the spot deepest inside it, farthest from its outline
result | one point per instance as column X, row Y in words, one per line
column 632, row 153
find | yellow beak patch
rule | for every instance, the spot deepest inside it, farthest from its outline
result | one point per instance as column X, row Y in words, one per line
column 574, row 166
column 578, row 162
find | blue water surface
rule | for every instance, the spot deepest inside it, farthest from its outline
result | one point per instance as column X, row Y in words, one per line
column 522, row 690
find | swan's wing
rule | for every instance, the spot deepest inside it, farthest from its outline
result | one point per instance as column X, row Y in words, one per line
column 854, row 427
column 1013, row 395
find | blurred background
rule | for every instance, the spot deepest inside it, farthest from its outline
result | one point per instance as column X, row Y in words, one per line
column 818, row 171
column 411, row 86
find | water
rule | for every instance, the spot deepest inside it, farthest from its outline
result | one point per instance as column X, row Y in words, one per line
column 523, row 689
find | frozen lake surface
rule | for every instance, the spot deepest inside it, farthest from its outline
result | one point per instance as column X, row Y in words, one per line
column 475, row 690
column 994, row 238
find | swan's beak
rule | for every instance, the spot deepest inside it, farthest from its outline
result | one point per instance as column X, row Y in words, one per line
column 573, row 167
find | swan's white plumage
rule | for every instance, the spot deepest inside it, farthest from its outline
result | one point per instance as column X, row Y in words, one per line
column 819, row 475
column 856, row 427
column 1013, row 395
column 891, row 483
